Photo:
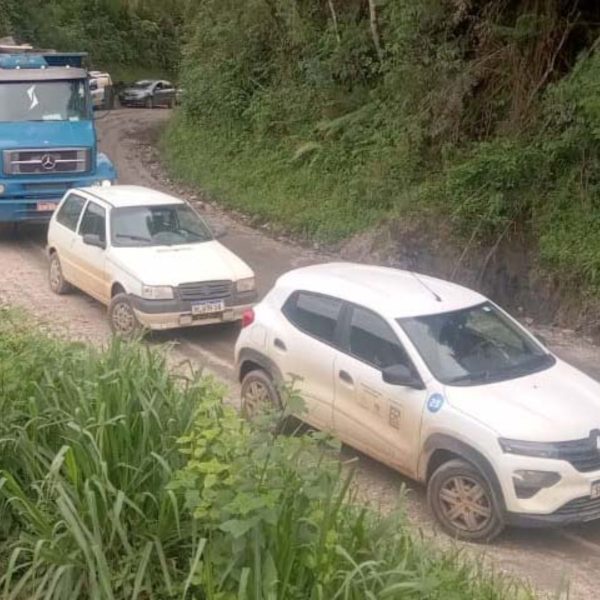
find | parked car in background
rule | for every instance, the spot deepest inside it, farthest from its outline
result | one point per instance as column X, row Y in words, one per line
column 149, row 256
column 437, row 382
column 149, row 93
column 101, row 89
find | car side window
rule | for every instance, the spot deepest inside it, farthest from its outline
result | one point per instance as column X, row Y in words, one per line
column 314, row 314
column 69, row 212
column 94, row 221
column 167, row 85
column 373, row 341
column 158, row 87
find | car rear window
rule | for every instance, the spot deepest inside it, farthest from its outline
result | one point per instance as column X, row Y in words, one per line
column 314, row 314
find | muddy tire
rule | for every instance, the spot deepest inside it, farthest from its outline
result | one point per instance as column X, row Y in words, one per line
column 464, row 503
column 258, row 392
column 122, row 319
column 58, row 284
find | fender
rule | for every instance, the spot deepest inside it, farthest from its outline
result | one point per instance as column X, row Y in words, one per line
column 440, row 441
column 264, row 362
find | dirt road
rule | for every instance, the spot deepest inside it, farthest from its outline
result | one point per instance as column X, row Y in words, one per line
column 550, row 559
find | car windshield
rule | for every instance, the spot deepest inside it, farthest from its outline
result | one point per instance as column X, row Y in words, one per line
column 161, row 225
column 141, row 85
column 43, row 101
column 474, row 345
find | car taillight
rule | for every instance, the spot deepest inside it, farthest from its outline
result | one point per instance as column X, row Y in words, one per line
column 247, row 317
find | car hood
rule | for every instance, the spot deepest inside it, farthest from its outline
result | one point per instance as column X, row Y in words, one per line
column 47, row 134
column 174, row 265
column 557, row 404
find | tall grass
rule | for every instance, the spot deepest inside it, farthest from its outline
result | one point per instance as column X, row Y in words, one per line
column 87, row 447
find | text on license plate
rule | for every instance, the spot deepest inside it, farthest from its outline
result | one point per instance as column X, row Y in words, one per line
column 46, row 206
column 595, row 489
column 206, row 308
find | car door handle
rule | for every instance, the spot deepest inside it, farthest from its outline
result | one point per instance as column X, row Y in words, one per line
column 346, row 377
column 279, row 344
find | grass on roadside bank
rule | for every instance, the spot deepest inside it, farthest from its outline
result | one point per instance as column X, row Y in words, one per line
column 120, row 480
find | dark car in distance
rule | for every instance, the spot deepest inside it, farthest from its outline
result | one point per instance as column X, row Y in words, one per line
column 149, row 93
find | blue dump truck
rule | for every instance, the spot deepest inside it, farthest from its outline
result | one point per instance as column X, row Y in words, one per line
column 48, row 140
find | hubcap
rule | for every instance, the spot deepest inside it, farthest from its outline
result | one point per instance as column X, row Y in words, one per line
column 256, row 398
column 465, row 503
column 123, row 318
column 55, row 274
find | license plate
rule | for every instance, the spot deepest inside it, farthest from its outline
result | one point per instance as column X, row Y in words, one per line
column 207, row 308
column 595, row 490
column 46, row 206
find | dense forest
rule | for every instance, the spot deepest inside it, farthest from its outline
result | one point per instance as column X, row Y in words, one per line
column 327, row 116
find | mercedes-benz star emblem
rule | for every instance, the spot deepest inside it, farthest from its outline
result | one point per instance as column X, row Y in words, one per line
column 48, row 162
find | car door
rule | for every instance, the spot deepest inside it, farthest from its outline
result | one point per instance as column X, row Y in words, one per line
column 63, row 230
column 158, row 93
column 168, row 93
column 303, row 345
column 90, row 260
column 382, row 420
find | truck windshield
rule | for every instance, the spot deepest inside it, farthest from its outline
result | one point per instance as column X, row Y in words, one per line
column 43, row 101
column 158, row 225
column 474, row 345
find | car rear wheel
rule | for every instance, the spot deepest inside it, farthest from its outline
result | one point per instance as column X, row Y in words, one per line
column 58, row 284
column 258, row 394
column 464, row 503
column 121, row 317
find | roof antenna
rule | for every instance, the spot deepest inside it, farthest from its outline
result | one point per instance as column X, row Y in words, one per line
column 438, row 298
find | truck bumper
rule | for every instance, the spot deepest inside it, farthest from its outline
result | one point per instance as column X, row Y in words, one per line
column 33, row 199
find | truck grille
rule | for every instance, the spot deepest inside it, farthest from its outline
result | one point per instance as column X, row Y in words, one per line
column 582, row 454
column 46, row 161
column 204, row 290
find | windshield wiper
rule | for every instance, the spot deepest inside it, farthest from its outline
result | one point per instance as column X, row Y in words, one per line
column 135, row 238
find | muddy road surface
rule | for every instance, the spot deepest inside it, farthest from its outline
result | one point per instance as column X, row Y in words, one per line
column 556, row 562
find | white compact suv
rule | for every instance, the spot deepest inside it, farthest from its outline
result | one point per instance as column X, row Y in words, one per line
column 148, row 256
column 437, row 382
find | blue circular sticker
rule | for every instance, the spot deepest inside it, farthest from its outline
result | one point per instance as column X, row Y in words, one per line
column 435, row 402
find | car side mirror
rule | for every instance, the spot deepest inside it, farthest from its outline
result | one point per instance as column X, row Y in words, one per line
column 92, row 239
column 402, row 376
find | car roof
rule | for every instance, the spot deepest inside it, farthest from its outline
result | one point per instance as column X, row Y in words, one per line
column 120, row 196
column 394, row 293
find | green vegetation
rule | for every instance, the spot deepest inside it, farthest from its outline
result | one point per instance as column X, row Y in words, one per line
column 118, row 480
column 327, row 116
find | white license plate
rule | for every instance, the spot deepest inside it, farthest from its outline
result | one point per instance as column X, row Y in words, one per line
column 595, row 489
column 207, row 308
column 46, row 206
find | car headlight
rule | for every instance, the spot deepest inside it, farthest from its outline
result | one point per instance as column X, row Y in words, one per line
column 157, row 292
column 246, row 285
column 537, row 449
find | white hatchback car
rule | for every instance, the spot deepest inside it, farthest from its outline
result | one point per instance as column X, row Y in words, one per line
column 148, row 256
column 437, row 382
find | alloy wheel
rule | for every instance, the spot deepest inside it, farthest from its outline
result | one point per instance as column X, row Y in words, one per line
column 465, row 504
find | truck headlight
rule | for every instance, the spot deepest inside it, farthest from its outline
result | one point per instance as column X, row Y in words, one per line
column 157, row 292
column 106, row 183
column 2, row 189
column 245, row 285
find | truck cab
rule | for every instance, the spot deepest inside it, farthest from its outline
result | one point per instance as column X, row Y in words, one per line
column 48, row 141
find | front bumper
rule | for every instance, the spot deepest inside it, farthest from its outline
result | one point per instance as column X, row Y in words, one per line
column 129, row 101
column 173, row 314
column 568, row 501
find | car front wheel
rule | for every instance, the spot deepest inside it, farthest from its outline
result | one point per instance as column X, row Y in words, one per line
column 464, row 503
column 58, row 284
column 121, row 317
